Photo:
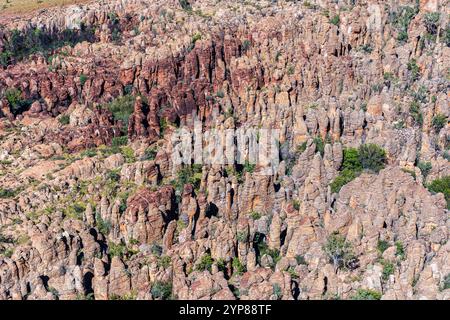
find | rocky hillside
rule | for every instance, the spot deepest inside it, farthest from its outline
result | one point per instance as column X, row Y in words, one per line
column 92, row 205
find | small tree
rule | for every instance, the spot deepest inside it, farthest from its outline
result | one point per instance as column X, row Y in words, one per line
column 431, row 21
column 372, row 157
column 162, row 290
column 425, row 168
column 439, row 121
column 441, row 185
column 205, row 263
column 15, row 100
column 339, row 251
column 366, row 294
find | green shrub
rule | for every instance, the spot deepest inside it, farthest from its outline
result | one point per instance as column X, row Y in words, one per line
column 351, row 160
column 300, row 259
column 320, row 145
column 439, row 121
column 338, row 250
column 197, row 36
column 342, row 179
column 415, row 112
column 425, row 168
column 366, row 48
column 75, row 210
column 431, row 21
column 400, row 250
column 446, row 284
column 185, row 5
column 188, row 174
column 89, row 153
column 296, row 204
column 6, row 252
column 150, row 154
column 164, row 262
column 382, row 245
column 414, row 70
column 127, row 296
column 238, row 267
column 121, row 108
column 221, row 265
column 277, row 292
column 264, row 249
column 119, row 141
column 445, row 35
column 292, row 273
column 64, row 120
column 255, row 215
column 351, row 168
column 245, row 45
column 15, row 100
column 83, row 79
column 8, row 193
column 156, row 249
column 388, row 269
column 104, row 226
column 440, row 185
column 117, row 249
column 421, row 94
column 250, row 168
column 372, row 157
column 161, row 290
column 401, row 20
column 241, row 236
column 335, row 20
column 205, row 263
column 366, row 294
column 128, row 154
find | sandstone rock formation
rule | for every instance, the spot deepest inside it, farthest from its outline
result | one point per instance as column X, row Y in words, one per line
column 93, row 205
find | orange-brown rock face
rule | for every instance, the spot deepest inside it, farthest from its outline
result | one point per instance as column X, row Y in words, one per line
column 95, row 204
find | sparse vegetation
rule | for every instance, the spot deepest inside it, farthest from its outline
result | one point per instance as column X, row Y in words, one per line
column 372, row 157
column 8, row 193
column 439, row 121
column 431, row 21
column 401, row 20
column 400, row 250
column 188, row 174
column 415, row 112
column 121, row 108
column 425, row 168
column 320, row 145
column 205, row 263
column 366, row 294
column 335, row 20
column 388, row 269
column 413, row 69
column 64, row 120
column 263, row 249
column 342, row 179
column 300, row 259
column 382, row 245
column 339, row 251
column 238, row 267
column 83, row 79
column 150, row 154
column 15, row 100
column 441, row 185
column 162, row 290
column 255, row 215
column 368, row 156
column 277, row 292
